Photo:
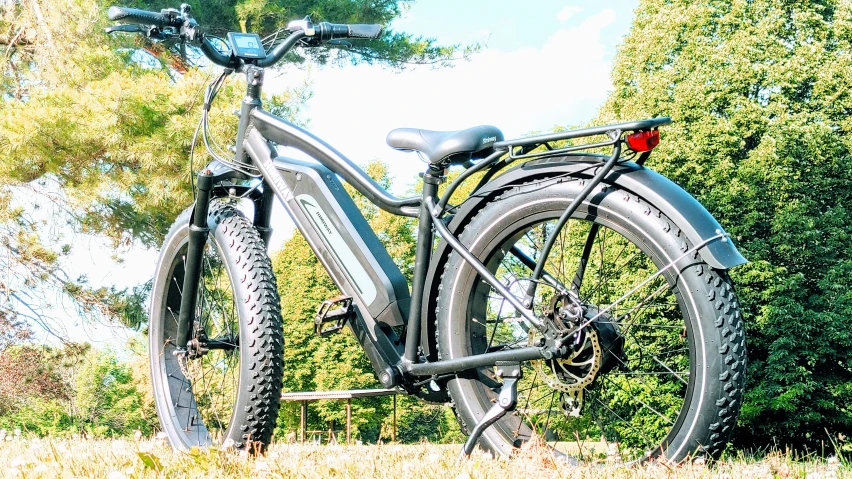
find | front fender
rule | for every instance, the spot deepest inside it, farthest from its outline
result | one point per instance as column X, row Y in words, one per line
column 684, row 210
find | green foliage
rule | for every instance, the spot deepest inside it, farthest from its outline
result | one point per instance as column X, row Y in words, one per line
column 40, row 417
column 266, row 17
column 760, row 97
column 107, row 401
column 420, row 422
column 49, row 391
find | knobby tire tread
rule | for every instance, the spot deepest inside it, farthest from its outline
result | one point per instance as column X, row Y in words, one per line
column 261, row 332
column 728, row 322
column 265, row 341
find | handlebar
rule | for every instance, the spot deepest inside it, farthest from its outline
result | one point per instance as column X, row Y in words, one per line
column 165, row 18
column 189, row 30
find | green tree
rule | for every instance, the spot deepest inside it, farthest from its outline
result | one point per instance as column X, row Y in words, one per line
column 759, row 92
column 73, row 389
column 107, row 400
column 26, row 373
column 107, row 142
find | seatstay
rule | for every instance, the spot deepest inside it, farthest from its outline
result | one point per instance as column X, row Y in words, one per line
column 696, row 222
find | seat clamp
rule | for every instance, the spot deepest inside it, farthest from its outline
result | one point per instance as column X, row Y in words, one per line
column 433, row 180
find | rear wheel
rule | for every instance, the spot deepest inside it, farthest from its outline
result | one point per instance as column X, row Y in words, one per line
column 658, row 371
column 229, row 387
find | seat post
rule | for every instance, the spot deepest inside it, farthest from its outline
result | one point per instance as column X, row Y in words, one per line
column 433, row 177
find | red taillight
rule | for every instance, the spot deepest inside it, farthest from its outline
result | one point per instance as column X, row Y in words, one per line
column 643, row 140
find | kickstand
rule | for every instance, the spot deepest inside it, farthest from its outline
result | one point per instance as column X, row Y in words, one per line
column 511, row 373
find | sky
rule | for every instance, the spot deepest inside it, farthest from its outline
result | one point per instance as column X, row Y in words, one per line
column 539, row 67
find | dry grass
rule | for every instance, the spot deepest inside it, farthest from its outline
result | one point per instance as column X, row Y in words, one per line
column 130, row 459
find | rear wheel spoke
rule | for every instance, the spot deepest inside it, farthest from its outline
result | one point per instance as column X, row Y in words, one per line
column 638, row 319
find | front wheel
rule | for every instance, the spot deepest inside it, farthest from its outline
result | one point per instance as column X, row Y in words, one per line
column 659, row 370
column 228, row 388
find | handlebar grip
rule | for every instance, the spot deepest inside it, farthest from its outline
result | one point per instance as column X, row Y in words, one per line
column 133, row 15
column 360, row 30
column 330, row 31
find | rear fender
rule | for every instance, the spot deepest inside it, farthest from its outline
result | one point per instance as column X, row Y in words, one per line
column 684, row 210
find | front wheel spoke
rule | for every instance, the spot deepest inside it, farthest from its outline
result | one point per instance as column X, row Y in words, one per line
column 178, row 285
column 206, row 293
column 172, row 313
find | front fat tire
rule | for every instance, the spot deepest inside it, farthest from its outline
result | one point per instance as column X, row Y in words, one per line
column 255, row 297
column 713, row 400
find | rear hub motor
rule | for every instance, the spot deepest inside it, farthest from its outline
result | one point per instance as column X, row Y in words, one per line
column 592, row 351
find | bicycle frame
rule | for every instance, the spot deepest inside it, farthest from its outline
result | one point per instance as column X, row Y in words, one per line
column 337, row 232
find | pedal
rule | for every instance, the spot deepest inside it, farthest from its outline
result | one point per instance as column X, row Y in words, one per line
column 336, row 311
column 510, row 371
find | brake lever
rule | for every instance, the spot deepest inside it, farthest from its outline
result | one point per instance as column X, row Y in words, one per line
column 310, row 41
column 125, row 28
column 339, row 43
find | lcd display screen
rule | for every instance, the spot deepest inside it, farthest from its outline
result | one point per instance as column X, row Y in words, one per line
column 246, row 42
column 246, row 45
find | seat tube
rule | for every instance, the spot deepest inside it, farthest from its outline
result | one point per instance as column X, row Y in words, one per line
column 434, row 176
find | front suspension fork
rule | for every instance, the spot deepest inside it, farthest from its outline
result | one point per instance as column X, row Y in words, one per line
column 198, row 231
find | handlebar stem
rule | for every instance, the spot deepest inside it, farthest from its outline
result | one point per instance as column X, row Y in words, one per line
column 254, row 84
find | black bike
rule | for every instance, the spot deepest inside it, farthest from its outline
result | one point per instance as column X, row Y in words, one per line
column 570, row 296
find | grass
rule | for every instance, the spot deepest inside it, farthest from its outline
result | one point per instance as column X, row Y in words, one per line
column 119, row 459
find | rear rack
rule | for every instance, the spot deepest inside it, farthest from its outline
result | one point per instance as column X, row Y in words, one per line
column 614, row 131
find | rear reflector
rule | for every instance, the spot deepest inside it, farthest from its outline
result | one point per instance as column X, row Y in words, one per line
column 643, row 140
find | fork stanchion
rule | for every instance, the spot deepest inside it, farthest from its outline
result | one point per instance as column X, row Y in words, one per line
column 195, row 250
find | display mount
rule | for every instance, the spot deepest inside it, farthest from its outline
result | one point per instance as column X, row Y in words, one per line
column 246, row 45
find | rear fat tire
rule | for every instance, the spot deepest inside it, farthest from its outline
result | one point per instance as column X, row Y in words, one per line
column 712, row 315
column 243, row 253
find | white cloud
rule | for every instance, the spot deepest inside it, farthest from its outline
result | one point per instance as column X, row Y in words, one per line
column 567, row 12
column 563, row 82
